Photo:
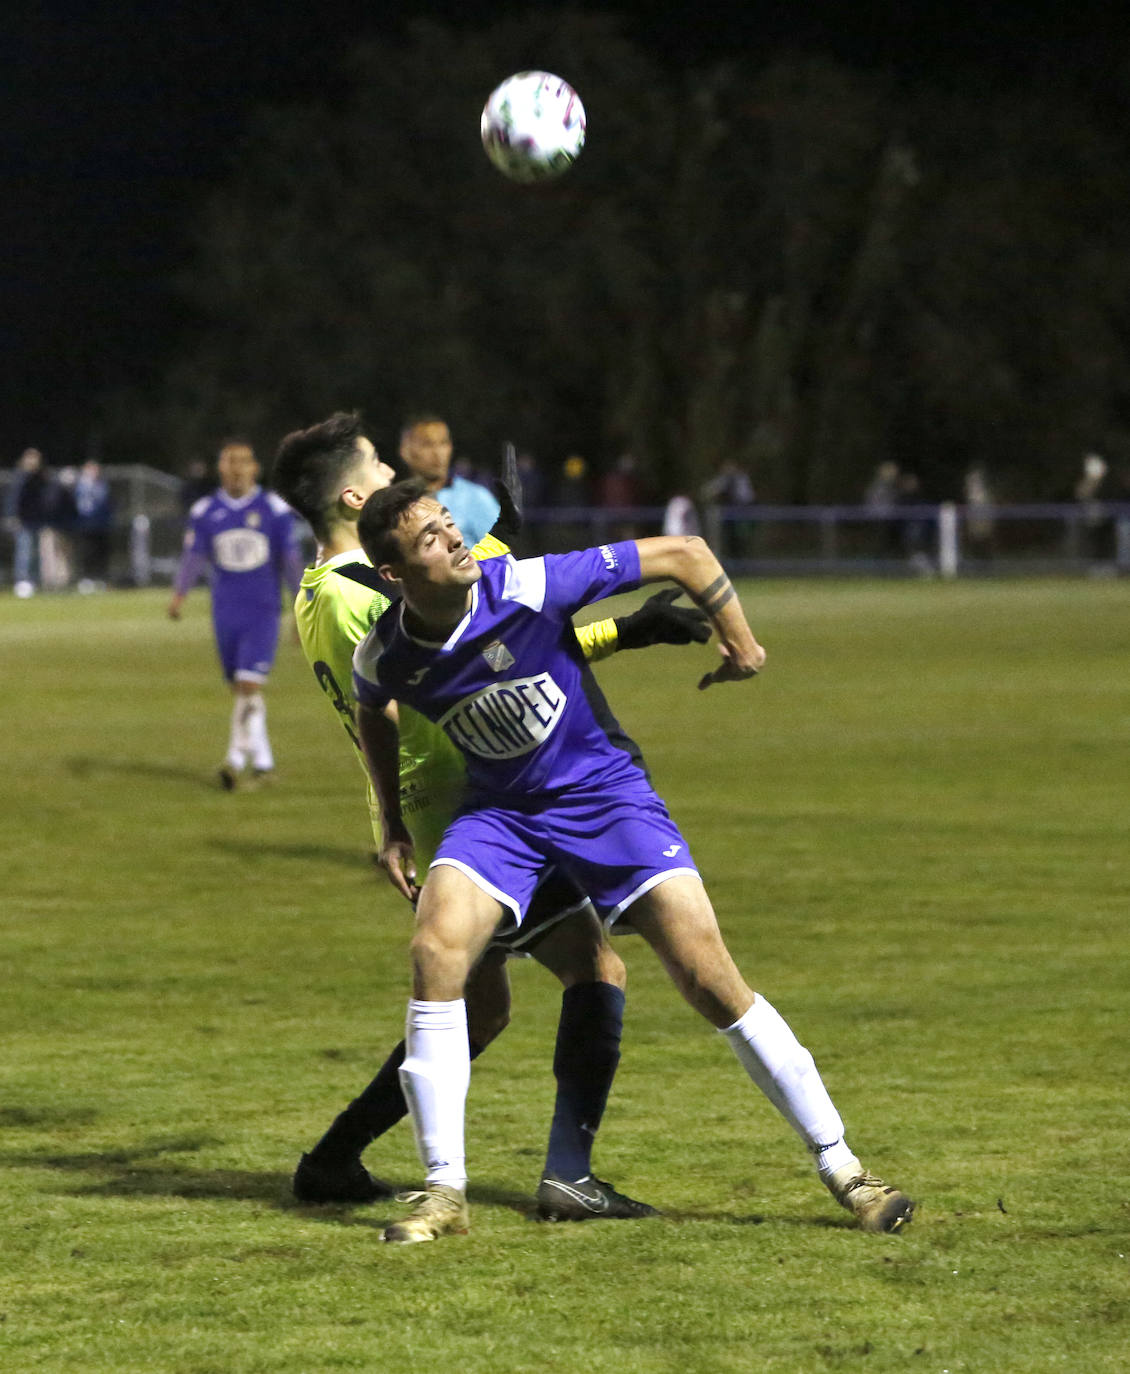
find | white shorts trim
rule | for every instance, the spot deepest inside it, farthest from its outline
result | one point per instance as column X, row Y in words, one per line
column 248, row 675
column 646, row 886
column 481, row 883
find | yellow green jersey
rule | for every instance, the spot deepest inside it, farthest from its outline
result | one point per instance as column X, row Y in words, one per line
column 334, row 613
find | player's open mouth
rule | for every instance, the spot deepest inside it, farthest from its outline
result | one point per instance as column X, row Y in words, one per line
column 463, row 559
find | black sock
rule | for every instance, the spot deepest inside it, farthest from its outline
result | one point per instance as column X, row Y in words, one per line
column 369, row 1115
column 584, row 1064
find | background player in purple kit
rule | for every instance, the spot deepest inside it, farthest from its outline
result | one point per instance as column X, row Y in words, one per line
column 487, row 651
column 246, row 536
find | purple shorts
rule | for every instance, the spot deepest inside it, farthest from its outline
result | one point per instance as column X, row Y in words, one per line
column 247, row 645
column 616, row 843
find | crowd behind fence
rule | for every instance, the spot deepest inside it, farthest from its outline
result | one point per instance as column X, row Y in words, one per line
column 946, row 540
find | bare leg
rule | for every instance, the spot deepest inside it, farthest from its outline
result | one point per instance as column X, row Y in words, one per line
column 577, row 950
column 678, row 922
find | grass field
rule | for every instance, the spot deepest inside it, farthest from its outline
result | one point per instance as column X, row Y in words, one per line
column 914, row 828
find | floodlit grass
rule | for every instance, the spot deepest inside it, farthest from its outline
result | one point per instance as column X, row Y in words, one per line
column 914, row 827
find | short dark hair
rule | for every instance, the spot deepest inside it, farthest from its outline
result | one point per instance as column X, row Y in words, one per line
column 235, row 441
column 311, row 463
column 420, row 417
column 382, row 513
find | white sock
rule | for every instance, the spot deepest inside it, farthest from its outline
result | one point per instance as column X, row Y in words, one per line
column 435, row 1076
column 785, row 1072
column 237, row 736
column 255, row 723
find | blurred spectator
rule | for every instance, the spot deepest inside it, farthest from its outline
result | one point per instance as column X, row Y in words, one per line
column 573, row 492
column 915, row 530
column 464, row 469
column 56, row 553
column 882, row 493
column 620, row 487
column 681, row 517
column 197, row 482
column 618, row 490
column 731, row 487
column 532, row 480
column 92, row 525
column 979, row 523
column 573, row 485
column 1092, row 492
column 1122, row 523
column 27, row 510
column 881, row 497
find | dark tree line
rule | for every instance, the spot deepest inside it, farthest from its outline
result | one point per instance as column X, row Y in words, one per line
column 792, row 263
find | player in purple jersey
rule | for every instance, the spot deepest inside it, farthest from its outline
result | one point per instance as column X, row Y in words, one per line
column 326, row 473
column 487, row 651
column 246, row 537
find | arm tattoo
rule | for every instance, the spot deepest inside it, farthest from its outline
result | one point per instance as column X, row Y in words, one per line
column 716, row 595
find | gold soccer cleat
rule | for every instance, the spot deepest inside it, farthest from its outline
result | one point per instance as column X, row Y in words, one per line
column 873, row 1203
column 439, row 1211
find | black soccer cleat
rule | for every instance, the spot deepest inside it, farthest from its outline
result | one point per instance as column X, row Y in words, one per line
column 350, row 1182
column 586, row 1199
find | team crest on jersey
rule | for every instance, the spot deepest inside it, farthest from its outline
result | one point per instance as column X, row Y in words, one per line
column 498, row 656
column 253, row 520
column 241, row 549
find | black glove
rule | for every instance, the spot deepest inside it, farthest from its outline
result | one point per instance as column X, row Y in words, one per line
column 659, row 621
column 507, row 487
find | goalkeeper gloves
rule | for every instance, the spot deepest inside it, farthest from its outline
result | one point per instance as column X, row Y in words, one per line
column 660, row 621
column 507, row 487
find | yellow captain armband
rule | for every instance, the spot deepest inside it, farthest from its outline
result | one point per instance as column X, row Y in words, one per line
column 489, row 547
column 599, row 640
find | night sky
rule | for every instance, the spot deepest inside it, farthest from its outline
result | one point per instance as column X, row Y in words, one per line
column 117, row 117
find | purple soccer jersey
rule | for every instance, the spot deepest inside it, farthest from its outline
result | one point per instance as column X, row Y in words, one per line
column 507, row 686
column 546, row 783
column 249, row 544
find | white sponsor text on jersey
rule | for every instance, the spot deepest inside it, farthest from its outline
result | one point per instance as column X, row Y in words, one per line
column 506, row 719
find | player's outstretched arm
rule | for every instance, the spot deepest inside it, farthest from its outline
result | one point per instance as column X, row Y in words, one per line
column 688, row 561
column 380, row 742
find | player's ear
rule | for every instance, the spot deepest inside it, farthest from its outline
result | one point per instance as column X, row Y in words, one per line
column 389, row 572
column 352, row 498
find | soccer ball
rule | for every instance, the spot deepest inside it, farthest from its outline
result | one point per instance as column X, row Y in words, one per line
column 533, row 126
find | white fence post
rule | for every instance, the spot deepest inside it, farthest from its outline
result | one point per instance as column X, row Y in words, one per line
column 140, row 563
column 949, row 555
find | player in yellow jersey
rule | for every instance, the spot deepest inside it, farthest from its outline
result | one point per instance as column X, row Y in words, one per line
column 326, row 473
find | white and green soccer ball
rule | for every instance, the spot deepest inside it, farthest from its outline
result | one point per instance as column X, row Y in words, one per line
column 533, row 126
